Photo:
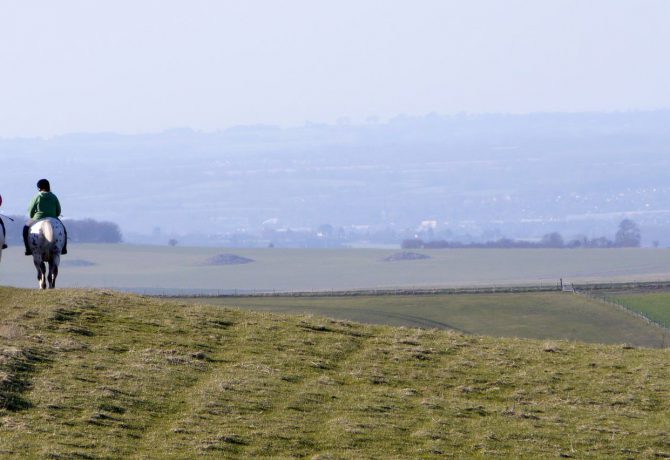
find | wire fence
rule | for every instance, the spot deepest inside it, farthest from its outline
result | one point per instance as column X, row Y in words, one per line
column 403, row 291
column 623, row 306
column 559, row 285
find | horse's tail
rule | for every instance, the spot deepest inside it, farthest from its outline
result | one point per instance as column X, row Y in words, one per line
column 48, row 230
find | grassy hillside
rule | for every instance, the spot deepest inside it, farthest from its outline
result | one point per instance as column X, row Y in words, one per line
column 163, row 267
column 96, row 374
column 539, row 315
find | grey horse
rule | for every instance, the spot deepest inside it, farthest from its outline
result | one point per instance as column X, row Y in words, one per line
column 46, row 240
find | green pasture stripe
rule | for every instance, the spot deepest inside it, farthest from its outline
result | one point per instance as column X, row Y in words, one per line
column 545, row 315
column 654, row 305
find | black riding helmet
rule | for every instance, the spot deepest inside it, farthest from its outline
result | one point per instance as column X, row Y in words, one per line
column 43, row 184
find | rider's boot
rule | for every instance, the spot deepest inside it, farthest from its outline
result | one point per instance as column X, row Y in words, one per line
column 4, row 233
column 26, row 230
column 64, row 250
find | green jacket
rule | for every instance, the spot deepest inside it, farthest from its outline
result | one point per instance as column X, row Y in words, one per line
column 45, row 204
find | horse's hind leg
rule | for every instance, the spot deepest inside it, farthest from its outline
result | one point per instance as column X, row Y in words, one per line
column 41, row 274
column 53, row 273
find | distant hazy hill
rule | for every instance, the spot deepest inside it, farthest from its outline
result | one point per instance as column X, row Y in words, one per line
column 514, row 174
column 97, row 374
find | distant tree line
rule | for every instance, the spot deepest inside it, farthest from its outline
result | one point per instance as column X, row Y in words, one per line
column 78, row 231
column 628, row 235
column 92, row 231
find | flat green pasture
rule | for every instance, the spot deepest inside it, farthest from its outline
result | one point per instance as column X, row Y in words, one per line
column 654, row 305
column 545, row 315
column 185, row 268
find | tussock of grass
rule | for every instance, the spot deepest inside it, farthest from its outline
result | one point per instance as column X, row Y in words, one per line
column 16, row 365
column 104, row 375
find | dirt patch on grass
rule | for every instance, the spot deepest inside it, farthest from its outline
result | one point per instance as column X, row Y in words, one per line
column 228, row 259
column 405, row 255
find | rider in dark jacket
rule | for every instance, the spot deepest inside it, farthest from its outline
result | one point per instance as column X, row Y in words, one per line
column 2, row 224
column 44, row 204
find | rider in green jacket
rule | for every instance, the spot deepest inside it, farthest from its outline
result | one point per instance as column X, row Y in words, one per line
column 44, row 204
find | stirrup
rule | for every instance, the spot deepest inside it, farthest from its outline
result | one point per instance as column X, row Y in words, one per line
column 4, row 246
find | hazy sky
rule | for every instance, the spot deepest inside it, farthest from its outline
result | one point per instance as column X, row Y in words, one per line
column 148, row 65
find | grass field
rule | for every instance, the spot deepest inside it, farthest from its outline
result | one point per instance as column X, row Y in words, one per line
column 97, row 374
column 654, row 305
column 546, row 315
column 163, row 267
